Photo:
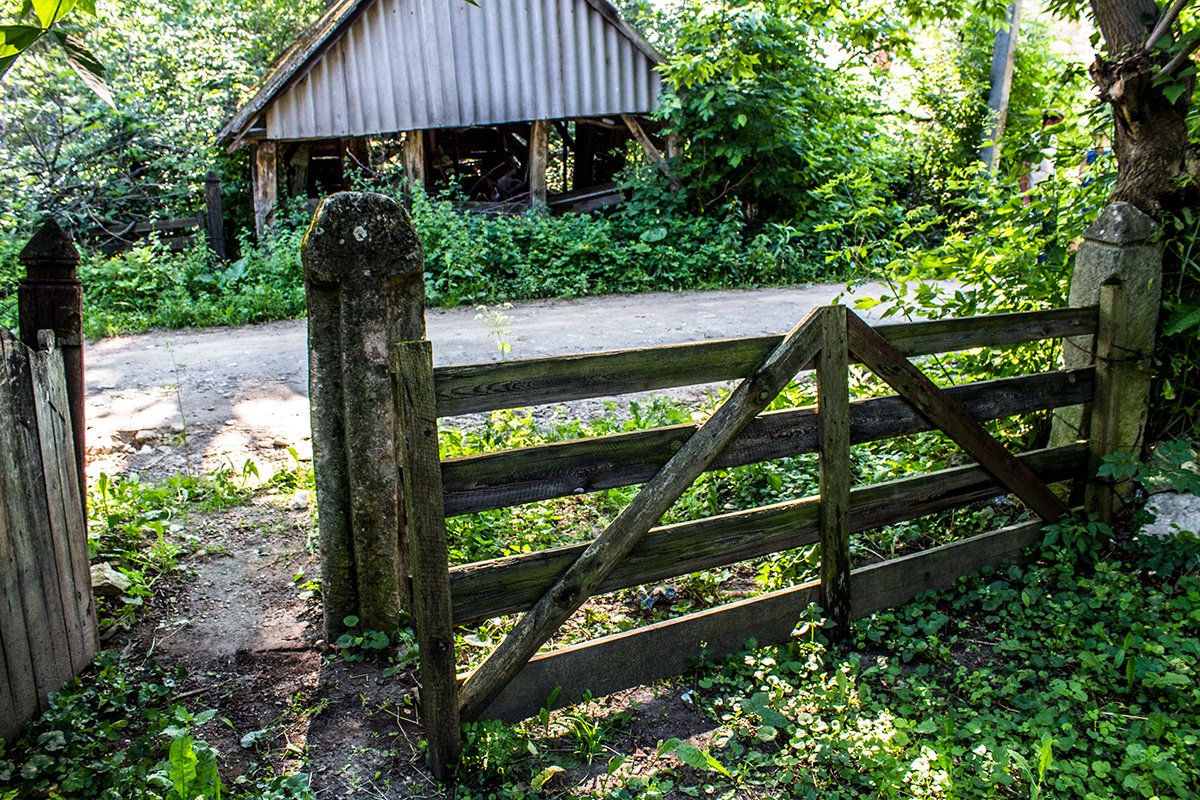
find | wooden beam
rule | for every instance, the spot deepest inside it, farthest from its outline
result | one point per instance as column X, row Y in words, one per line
column 581, row 580
column 414, row 158
column 890, row 364
column 539, row 159
column 425, row 524
column 543, row 472
column 266, row 187
column 833, row 422
column 472, row 388
column 657, row 651
column 659, row 161
column 1100, row 496
column 214, row 217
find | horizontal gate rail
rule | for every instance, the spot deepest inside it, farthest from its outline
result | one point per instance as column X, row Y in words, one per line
column 508, row 585
column 668, row 648
column 544, row 472
column 513, row 384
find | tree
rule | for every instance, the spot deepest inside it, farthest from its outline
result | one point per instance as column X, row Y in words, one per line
column 1145, row 74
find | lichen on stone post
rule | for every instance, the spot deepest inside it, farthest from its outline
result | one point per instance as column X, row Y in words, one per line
column 364, row 278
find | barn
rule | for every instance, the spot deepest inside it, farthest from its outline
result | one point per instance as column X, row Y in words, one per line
column 516, row 102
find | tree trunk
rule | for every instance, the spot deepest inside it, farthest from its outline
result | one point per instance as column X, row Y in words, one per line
column 1149, row 131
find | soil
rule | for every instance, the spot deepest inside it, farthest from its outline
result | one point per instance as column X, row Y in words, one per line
column 241, row 618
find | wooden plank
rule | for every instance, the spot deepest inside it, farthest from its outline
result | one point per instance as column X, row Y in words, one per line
column 511, row 384
column 68, row 525
column 582, row 578
column 833, row 423
column 266, row 186
column 511, row 584
column 539, row 157
column 1100, row 496
column 18, row 686
column 891, row 365
column 414, row 159
column 424, row 518
column 668, row 648
column 29, row 526
column 543, row 472
column 181, row 224
column 656, row 157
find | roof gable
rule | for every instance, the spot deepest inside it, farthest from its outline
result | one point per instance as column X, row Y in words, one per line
column 381, row 66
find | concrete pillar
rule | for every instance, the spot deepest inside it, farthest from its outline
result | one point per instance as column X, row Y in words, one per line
column 1117, row 251
column 364, row 278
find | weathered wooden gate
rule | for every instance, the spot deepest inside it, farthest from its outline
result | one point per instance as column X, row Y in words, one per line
column 550, row 585
column 47, row 620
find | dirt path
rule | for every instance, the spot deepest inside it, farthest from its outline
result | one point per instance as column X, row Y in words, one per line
column 160, row 401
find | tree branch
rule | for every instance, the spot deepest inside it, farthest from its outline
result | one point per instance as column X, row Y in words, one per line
column 1163, row 26
column 1176, row 63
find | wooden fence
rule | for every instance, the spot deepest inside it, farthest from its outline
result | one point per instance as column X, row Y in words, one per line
column 180, row 233
column 47, row 620
column 382, row 474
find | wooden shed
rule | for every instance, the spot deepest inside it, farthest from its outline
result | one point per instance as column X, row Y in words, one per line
column 515, row 101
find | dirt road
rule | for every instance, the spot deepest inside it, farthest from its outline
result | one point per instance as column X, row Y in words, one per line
column 160, row 401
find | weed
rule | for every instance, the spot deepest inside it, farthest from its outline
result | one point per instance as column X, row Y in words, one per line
column 119, row 733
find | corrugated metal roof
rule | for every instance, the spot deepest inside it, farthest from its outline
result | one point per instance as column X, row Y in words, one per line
column 382, row 66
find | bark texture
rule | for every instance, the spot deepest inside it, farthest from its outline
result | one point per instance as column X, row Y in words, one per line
column 1149, row 131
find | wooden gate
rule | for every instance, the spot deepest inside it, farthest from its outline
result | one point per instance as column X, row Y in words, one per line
column 548, row 586
column 357, row 263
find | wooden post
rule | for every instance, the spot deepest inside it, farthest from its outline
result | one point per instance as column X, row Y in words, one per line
column 266, row 187
column 425, row 526
column 833, row 422
column 539, row 157
column 364, row 277
column 214, row 218
column 597, row 562
column 661, row 163
column 414, row 159
column 1100, row 497
column 50, row 297
column 1117, row 249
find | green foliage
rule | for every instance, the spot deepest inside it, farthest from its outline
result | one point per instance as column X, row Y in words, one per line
column 358, row 644
column 649, row 243
column 765, row 115
column 964, row 690
column 176, row 72
column 120, row 734
column 1175, row 406
column 153, row 287
column 134, row 527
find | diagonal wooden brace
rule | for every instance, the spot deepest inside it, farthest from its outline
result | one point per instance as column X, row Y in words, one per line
column 922, row 394
column 581, row 579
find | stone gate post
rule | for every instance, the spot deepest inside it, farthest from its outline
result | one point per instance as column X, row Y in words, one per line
column 364, row 278
column 1118, row 268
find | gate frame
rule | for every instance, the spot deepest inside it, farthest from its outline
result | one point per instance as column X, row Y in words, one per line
column 385, row 494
